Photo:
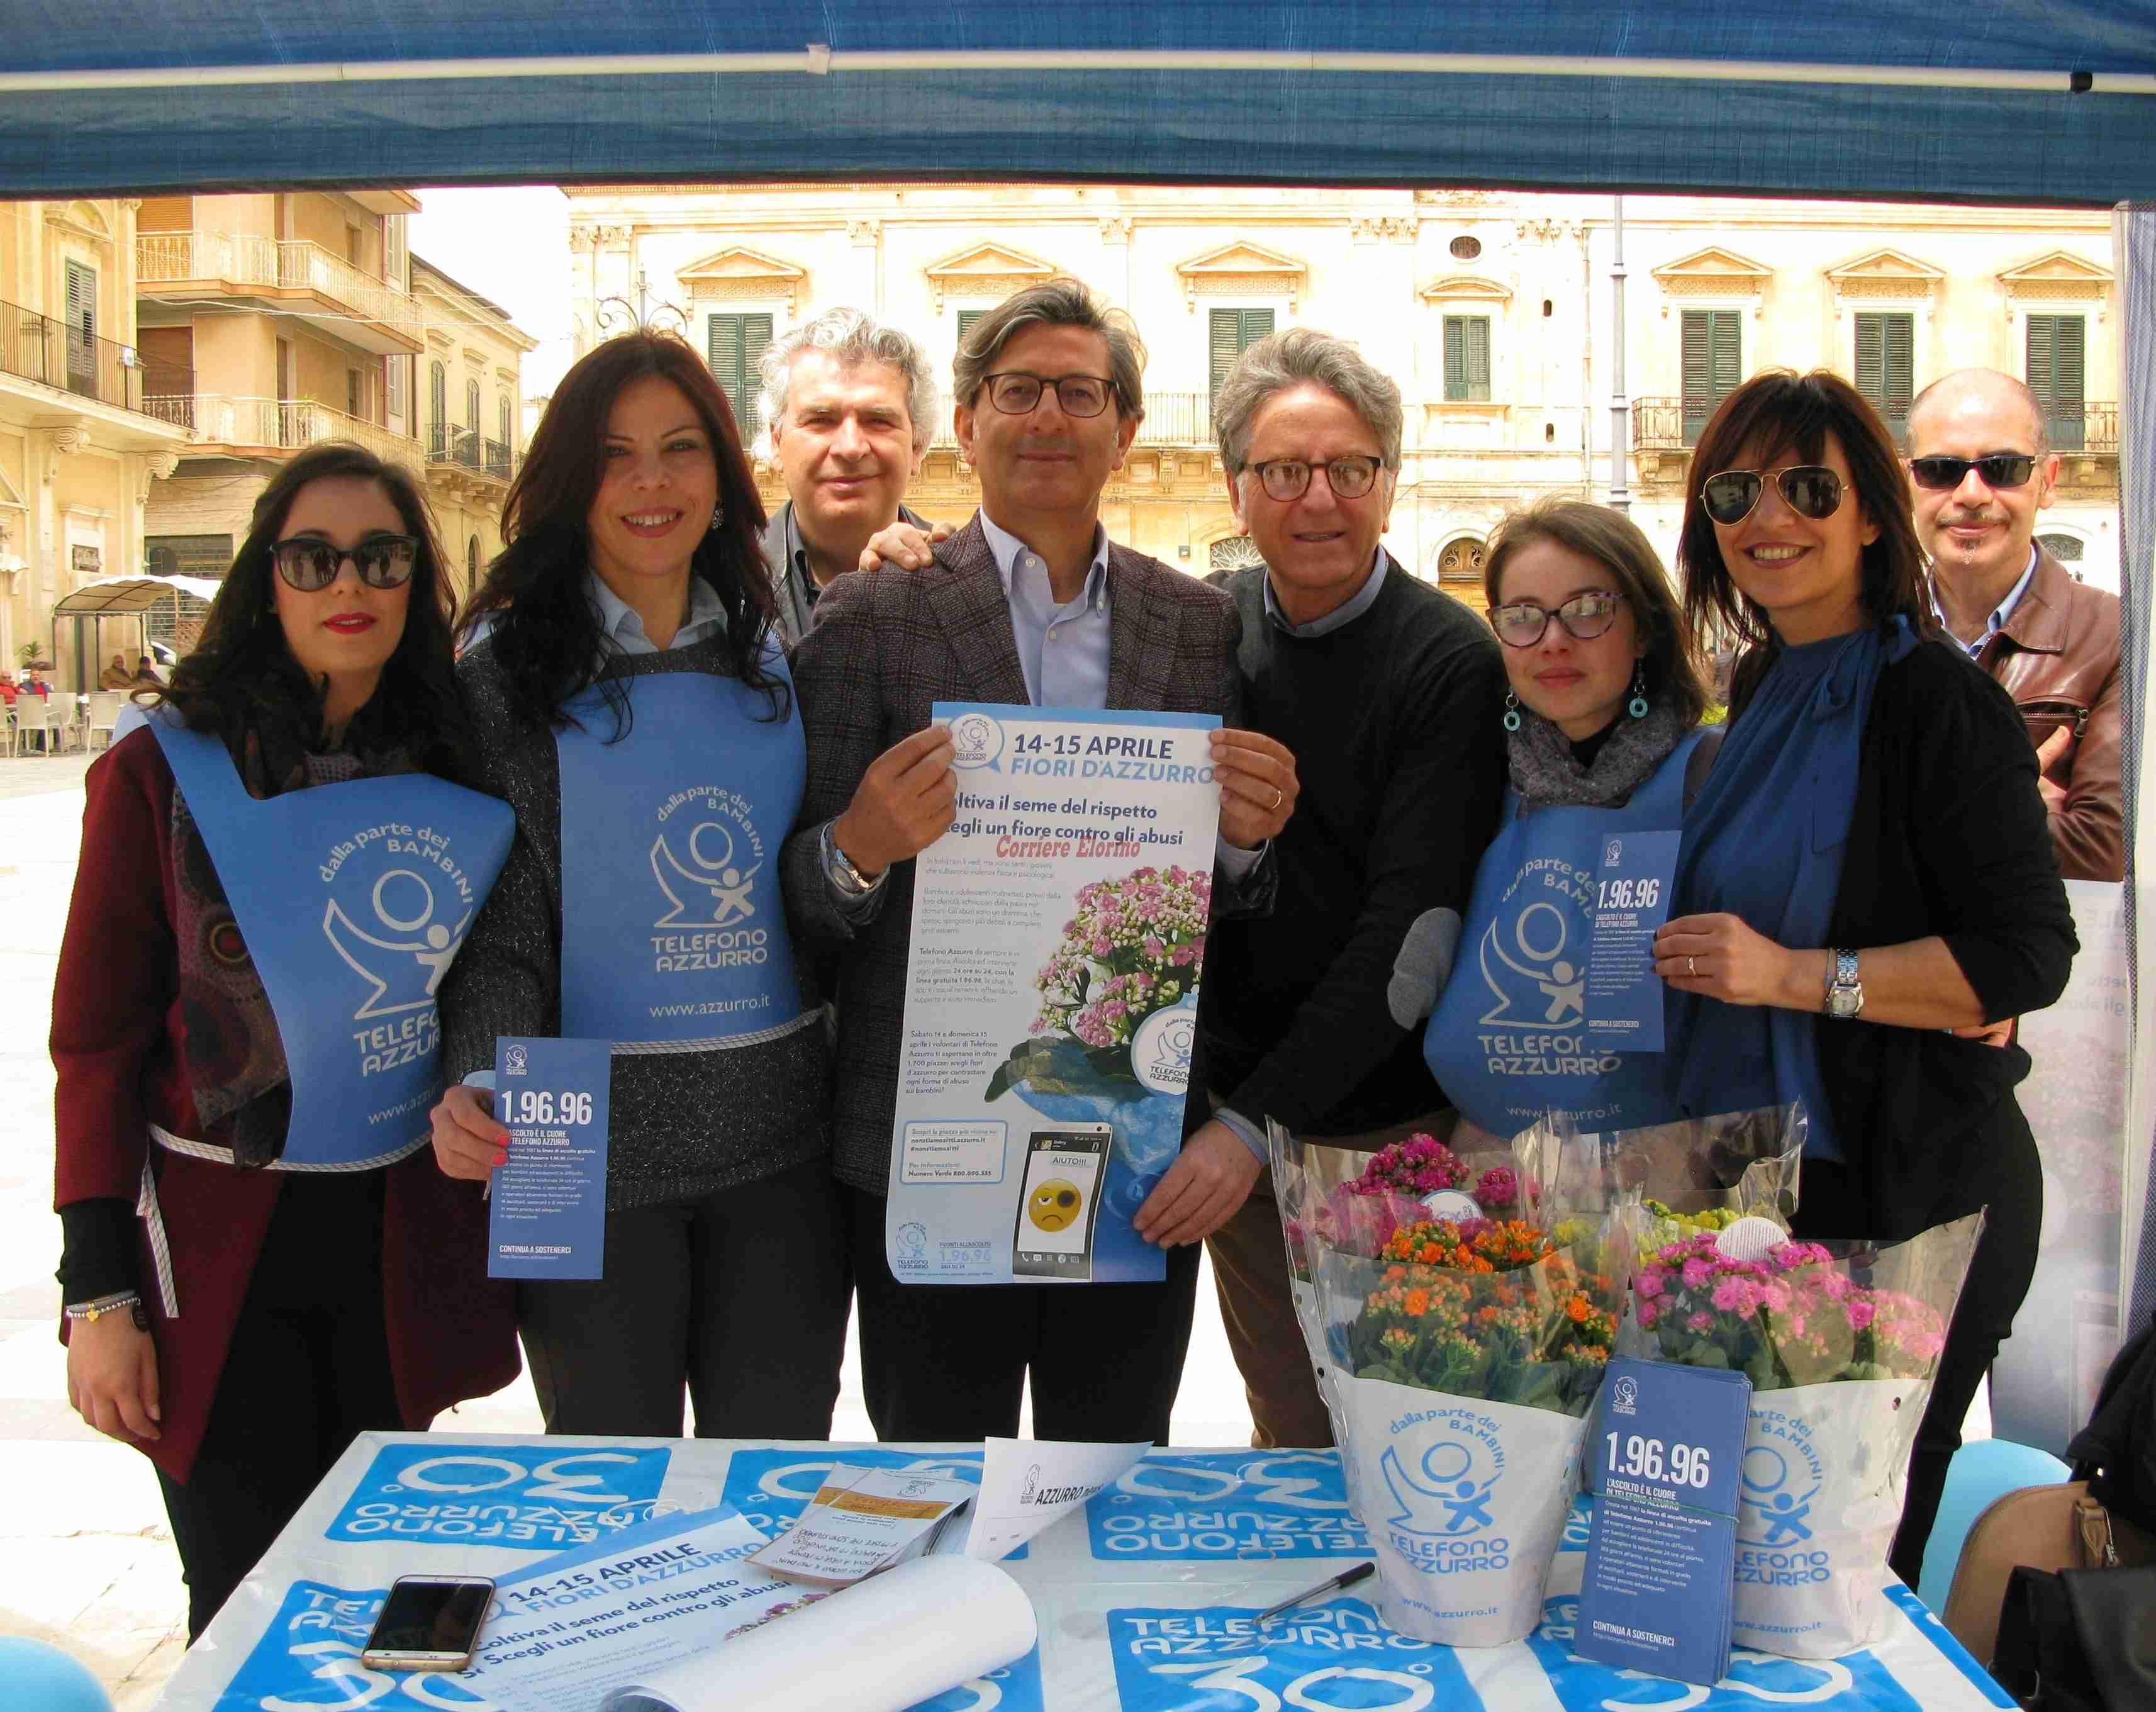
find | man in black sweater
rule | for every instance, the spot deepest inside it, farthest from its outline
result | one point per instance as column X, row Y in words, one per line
column 1389, row 693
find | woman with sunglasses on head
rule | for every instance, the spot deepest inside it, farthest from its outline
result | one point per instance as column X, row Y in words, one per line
column 1600, row 727
column 260, row 1260
column 633, row 705
column 1867, row 877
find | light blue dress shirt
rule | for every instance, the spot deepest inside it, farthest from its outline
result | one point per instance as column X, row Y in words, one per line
column 620, row 623
column 1062, row 648
column 1345, row 614
column 2001, row 613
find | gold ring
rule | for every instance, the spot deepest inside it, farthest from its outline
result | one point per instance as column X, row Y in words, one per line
column 1279, row 796
column 1691, row 967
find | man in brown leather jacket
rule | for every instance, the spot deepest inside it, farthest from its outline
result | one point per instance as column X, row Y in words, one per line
column 1982, row 468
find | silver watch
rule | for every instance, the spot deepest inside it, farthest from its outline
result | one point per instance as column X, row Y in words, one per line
column 844, row 874
column 1844, row 993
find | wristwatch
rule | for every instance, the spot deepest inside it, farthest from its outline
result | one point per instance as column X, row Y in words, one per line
column 1844, row 993
column 849, row 879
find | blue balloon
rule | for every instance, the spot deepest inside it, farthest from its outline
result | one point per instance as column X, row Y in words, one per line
column 35, row 1677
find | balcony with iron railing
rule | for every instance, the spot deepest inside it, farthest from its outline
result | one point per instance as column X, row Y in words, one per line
column 258, row 428
column 36, row 347
column 463, row 449
column 293, row 277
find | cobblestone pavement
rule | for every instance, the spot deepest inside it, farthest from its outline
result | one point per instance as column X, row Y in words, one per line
column 87, row 1559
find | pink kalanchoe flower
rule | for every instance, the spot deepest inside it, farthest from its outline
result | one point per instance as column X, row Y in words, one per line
column 1696, row 1272
column 1651, row 1282
column 1151, row 946
column 1737, row 1296
column 1650, row 1312
column 1498, row 1187
column 1859, row 1312
column 1701, row 1321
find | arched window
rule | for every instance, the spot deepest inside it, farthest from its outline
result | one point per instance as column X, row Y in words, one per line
column 1462, row 561
column 471, row 565
column 1237, row 552
column 2067, row 549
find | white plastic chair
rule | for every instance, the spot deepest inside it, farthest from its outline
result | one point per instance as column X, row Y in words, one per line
column 47, row 721
column 104, row 710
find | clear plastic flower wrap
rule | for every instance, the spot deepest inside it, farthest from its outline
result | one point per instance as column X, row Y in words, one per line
column 1461, row 1356
column 1841, row 1342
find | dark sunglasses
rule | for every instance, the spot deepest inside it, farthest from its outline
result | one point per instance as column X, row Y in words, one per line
column 1808, row 490
column 1994, row 470
column 384, row 562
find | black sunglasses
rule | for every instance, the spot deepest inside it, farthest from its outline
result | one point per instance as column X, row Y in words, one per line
column 1809, row 490
column 383, row 561
column 1994, row 470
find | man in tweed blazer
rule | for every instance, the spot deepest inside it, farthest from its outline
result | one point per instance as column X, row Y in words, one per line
column 1028, row 604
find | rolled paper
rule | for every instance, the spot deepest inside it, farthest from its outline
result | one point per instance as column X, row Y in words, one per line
column 881, row 1645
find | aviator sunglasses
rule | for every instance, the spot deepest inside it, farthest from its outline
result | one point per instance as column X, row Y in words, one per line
column 1808, row 490
column 1994, row 470
column 383, row 561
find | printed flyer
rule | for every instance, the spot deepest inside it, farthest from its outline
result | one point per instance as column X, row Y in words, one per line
column 1059, row 930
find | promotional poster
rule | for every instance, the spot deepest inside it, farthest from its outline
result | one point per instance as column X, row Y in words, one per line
column 1058, row 932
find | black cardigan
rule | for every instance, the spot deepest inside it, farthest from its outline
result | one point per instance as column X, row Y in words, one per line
column 1949, row 836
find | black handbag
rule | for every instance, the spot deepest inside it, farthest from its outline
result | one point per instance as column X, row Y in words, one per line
column 2079, row 1640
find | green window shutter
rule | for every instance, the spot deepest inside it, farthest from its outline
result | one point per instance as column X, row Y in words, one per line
column 1456, row 357
column 1231, row 332
column 1478, row 357
column 1885, row 368
column 736, row 346
column 81, row 327
column 1712, row 364
column 2056, row 373
column 966, row 317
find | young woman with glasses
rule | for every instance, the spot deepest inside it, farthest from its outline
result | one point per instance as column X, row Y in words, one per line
column 260, row 1260
column 1867, row 877
column 1600, row 725
column 631, row 703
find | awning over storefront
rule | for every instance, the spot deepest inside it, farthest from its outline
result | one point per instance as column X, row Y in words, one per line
column 2028, row 100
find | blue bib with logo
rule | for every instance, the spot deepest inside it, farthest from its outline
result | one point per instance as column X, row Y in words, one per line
column 1508, row 1040
column 673, row 934
column 352, row 899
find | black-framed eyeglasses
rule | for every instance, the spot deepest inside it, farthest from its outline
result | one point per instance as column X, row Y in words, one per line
column 1993, row 469
column 1521, row 623
column 1809, row 490
column 1017, row 394
column 383, row 561
column 1351, row 477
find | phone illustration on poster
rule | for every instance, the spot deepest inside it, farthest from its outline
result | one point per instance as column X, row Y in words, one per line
column 1058, row 940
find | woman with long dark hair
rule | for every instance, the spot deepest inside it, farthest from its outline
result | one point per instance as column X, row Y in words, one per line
column 260, row 1260
column 631, row 701
column 1867, row 876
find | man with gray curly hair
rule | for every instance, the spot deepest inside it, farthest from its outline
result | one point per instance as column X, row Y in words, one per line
column 851, row 404
column 1389, row 693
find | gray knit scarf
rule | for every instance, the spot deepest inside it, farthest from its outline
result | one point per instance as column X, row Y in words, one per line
column 1546, row 775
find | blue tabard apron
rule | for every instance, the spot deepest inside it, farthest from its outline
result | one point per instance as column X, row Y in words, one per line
column 1508, row 1040
column 673, row 934
column 352, row 899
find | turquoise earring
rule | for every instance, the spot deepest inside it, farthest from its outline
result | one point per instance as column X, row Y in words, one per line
column 1511, row 712
column 1637, row 707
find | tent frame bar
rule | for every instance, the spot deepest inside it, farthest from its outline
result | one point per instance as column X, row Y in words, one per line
column 817, row 60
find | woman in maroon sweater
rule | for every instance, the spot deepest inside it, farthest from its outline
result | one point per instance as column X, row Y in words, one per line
column 252, row 1273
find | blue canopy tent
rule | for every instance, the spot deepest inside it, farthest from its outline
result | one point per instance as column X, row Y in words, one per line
column 2013, row 101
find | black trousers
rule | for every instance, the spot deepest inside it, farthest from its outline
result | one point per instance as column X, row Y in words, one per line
column 1999, row 1277
column 308, row 1371
column 739, row 1296
column 950, row 1361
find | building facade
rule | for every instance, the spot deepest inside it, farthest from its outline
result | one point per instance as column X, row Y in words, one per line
column 81, row 448
column 471, row 419
column 1495, row 311
column 287, row 319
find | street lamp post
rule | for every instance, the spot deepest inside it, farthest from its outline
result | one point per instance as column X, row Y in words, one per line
column 1620, row 436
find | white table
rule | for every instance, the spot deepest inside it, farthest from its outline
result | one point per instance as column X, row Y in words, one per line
column 1145, row 1600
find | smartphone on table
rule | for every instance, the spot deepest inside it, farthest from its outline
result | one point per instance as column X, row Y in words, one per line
column 430, row 1622
column 1060, row 1200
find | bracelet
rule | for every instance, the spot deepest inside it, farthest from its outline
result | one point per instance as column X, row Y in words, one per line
column 94, row 1311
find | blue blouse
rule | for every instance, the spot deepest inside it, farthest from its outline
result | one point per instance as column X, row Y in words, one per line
column 1764, row 841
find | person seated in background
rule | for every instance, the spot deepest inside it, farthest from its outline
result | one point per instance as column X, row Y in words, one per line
column 146, row 673
column 36, row 685
column 8, row 690
column 116, row 675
